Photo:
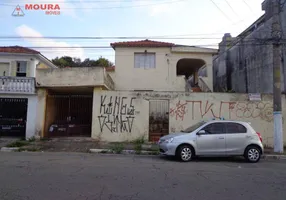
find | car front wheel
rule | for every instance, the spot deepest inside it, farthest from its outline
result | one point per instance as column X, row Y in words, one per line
column 185, row 153
column 252, row 154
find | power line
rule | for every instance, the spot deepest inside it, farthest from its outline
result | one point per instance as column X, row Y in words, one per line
column 115, row 7
column 221, row 10
column 107, row 38
column 229, row 5
column 248, row 6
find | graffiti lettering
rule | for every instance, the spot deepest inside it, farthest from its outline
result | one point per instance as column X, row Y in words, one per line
column 116, row 114
column 200, row 110
column 179, row 111
column 263, row 110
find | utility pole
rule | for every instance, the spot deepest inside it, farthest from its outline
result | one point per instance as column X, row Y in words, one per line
column 277, row 108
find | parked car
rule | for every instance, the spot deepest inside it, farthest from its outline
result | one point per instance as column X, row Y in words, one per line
column 214, row 138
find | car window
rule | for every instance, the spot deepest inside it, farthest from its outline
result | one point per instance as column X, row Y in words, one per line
column 214, row 128
column 194, row 127
column 235, row 128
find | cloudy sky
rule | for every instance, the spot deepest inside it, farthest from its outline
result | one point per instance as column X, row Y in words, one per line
column 202, row 22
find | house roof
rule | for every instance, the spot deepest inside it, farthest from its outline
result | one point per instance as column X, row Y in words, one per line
column 25, row 50
column 142, row 43
column 18, row 49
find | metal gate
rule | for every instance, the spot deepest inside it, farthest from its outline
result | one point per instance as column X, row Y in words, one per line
column 68, row 115
column 13, row 117
column 158, row 119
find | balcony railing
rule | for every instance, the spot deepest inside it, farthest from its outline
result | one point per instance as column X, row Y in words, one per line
column 19, row 85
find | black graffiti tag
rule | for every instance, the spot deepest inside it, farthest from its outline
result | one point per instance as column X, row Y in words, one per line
column 117, row 114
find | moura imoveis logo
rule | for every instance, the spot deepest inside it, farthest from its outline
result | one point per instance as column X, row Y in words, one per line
column 18, row 12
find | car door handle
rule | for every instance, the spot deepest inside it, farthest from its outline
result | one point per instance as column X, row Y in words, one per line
column 221, row 138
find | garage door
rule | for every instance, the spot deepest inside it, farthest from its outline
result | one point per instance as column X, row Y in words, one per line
column 13, row 117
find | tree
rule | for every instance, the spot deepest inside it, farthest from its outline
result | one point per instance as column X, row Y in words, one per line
column 67, row 61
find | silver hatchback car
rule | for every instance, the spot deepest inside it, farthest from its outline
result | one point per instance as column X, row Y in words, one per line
column 214, row 138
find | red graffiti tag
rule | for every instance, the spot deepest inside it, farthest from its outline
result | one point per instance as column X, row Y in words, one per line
column 179, row 111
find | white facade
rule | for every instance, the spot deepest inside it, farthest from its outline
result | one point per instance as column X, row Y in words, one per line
column 158, row 70
column 17, row 80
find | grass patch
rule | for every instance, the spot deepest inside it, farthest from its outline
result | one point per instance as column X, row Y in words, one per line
column 117, row 148
column 19, row 143
column 138, row 145
column 32, row 139
column 44, row 139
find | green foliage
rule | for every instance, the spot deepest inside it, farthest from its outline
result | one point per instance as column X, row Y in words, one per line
column 32, row 139
column 67, row 61
column 117, row 148
column 19, row 143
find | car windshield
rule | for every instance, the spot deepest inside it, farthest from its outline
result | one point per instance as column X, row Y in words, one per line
column 193, row 127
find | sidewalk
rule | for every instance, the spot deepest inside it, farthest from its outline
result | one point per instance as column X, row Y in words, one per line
column 88, row 145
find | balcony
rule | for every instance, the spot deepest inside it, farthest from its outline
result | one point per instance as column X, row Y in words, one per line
column 17, row 85
column 74, row 77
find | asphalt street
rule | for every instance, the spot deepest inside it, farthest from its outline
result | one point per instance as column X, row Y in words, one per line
column 72, row 176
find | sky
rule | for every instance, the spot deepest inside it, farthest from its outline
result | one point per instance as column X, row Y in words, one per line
column 199, row 22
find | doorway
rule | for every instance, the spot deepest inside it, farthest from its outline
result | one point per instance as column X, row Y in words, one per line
column 158, row 119
column 68, row 115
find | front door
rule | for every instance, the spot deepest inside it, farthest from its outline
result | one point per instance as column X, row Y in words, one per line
column 158, row 119
column 213, row 141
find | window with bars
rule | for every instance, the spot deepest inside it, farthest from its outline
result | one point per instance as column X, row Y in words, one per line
column 145, row 60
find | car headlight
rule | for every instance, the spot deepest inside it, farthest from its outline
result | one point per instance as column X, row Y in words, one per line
column 169, row 140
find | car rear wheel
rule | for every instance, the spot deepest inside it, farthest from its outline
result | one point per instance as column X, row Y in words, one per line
column 252, row 154
column 185, row 153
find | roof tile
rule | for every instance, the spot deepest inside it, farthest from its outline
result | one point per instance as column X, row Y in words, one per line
column 142, row 43
column 17, row 49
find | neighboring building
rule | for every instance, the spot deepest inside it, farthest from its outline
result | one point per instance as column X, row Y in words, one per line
column 18, row 97
column 160, row 66
column 244, row 63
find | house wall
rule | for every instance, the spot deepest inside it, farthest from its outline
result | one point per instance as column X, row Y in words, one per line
column 247, row 67
column 31, row 113
column 162, row 78
column 61, row 77
column 109, row 124
column 41, row 112
column 11, row 59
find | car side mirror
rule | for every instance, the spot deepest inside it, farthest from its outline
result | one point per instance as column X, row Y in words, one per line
column 201, row 132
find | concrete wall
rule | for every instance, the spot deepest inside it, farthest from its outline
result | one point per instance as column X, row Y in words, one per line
column 41, row 112
column 31, row 112
column 124, row 116
column 163, row 77
column 61, row 77
column 247, row 67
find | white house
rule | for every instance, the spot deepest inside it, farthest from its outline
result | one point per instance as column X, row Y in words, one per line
column 18, row 97
column 160, row 66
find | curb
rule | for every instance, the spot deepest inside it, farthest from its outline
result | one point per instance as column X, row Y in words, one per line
column 274, row 157
column 144, row 152
column 8, row 149
column 105, row 151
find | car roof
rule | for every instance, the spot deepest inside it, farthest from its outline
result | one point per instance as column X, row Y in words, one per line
column 228, row 121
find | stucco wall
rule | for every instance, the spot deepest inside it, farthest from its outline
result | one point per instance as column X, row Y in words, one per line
column 185, row 110
column 119, row 116
column 41, row 112
column 247, row 67
column 81, row 76
column 162, row 78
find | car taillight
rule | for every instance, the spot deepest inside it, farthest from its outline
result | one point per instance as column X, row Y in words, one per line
column 259, row 135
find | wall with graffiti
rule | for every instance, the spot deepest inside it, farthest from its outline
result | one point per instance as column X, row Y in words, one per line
column 184, row 112
column 119, row 116
column 124, row 116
